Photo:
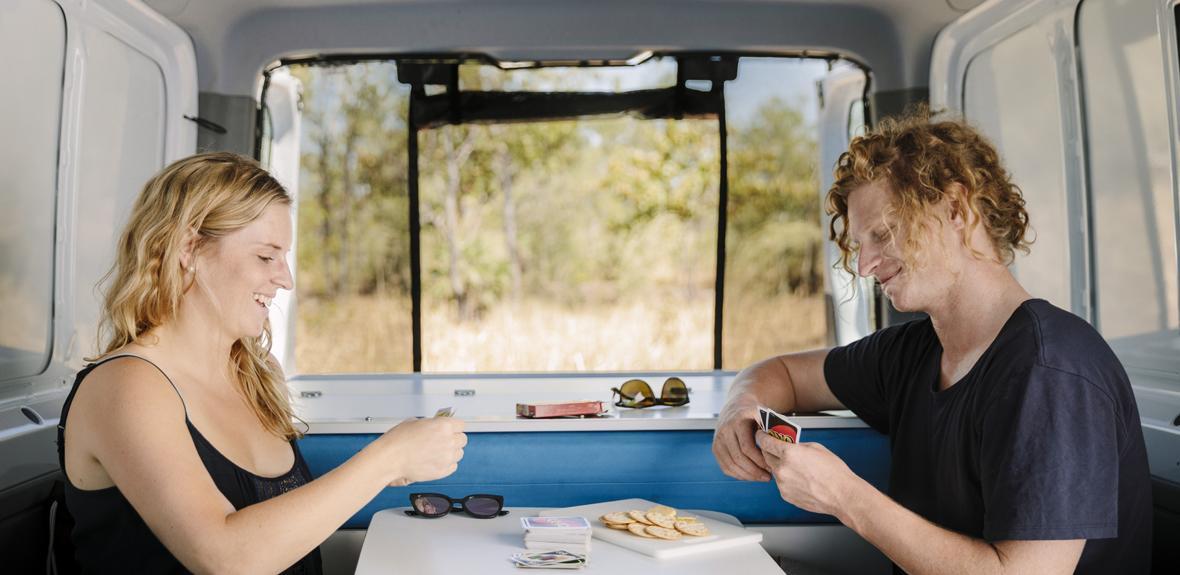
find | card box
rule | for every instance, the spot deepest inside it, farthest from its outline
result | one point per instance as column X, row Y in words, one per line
column 558, row 409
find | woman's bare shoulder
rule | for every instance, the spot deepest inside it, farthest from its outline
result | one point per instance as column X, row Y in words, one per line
column 129, row 384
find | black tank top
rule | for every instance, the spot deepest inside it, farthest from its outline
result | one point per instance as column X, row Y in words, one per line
column 110, row 537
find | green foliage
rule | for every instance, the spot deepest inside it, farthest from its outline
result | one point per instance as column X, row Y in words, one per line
column 567, row 212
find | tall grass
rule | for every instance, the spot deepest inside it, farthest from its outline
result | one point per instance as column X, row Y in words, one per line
column 355, row 333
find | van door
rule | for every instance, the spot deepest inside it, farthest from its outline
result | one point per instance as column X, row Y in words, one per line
column 842, row 116
column 95, row 95
column 281, row 123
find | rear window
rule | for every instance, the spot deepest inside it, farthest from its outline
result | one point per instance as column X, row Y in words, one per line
column 564, row 244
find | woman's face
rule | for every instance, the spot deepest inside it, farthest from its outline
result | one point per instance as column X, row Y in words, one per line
column 241, row 273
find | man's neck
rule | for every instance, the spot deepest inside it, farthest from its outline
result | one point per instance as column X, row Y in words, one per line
column 981, row 302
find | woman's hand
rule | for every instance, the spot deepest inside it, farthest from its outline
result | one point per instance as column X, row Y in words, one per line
column 422, row 449
column 733, row 441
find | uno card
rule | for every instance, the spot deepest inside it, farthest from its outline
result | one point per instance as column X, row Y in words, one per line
column 779, row 426
column 445, row 412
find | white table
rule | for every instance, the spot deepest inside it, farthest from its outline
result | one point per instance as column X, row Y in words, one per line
column 400, row 544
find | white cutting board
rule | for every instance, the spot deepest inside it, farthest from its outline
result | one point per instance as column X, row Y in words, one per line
column 722, row 535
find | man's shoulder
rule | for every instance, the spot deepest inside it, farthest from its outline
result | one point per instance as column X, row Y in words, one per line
column 1065, row 341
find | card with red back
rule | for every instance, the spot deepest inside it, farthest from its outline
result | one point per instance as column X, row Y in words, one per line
column 779, row 426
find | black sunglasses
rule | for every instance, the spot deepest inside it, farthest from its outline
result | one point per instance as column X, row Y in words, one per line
column 637, row 393
column 479, row 505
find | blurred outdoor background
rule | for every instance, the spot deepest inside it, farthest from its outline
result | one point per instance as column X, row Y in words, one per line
column 584, row 245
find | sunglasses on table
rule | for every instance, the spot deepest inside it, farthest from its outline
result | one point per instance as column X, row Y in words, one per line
column 480, row 505
column 637, row 393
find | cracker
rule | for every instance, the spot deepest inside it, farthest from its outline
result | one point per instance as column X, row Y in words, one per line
column 638, row 529
column 618, row 517
column 619, row 526
column 694, row 529
column 688, row 519
column 639, row 516
column 662, row 510
column 662, row 532
column 665, row 521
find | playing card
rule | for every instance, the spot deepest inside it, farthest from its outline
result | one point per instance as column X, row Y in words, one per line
column 779, row 426
column 549, row 560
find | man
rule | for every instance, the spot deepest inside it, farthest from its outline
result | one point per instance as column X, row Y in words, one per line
column 1015, row 439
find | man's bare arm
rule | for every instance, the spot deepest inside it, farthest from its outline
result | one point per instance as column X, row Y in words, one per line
column 793, row 382
column 811, row 477
column 919, row 546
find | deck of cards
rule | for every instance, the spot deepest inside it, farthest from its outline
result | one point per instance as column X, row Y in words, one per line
column 554, row 542
column 779, row 426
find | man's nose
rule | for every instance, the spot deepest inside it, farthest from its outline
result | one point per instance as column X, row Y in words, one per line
column 866, row 261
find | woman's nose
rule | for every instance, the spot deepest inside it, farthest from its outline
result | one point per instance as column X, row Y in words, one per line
column 285, row 280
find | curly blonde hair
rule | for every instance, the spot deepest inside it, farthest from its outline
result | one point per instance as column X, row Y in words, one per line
column 212, row 194
column 921, row 161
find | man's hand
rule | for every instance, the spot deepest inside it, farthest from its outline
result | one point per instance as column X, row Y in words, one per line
column 733, row 442
column 785, row 383
column 808, row 475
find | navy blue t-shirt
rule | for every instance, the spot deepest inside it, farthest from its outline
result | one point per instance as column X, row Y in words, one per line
column 1040, row 440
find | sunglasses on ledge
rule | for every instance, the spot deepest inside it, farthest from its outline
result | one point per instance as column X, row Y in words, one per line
column 637, row 393
column 433, row 505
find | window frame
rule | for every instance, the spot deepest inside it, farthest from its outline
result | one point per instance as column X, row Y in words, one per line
column 717, row 67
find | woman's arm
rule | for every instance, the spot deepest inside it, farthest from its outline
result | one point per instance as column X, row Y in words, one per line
column 134, row 428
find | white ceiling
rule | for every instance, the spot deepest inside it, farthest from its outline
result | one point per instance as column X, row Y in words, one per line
column 234, row 39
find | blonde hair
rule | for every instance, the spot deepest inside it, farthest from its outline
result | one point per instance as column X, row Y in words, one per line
column 212, row 194
column 921, row 161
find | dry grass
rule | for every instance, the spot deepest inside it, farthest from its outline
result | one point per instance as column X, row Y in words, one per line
column 372, row 334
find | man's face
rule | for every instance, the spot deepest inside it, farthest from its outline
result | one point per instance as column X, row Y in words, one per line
column 879, row 243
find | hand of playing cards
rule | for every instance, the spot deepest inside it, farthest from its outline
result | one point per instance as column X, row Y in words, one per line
column 779, row 426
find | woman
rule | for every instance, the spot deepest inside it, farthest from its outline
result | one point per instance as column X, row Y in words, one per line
column 179, row 445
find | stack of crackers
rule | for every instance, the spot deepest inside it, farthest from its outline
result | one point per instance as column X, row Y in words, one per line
column 659, row 522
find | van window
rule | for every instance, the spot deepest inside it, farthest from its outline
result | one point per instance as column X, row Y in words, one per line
column 585, row 244
column 1128, row 154
column 31, row 115
column 1011, row 95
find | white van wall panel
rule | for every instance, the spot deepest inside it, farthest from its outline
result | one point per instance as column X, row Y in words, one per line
column 108, row 42
column 1010, row 94
column 122, row 136
column 1129, row 156
column 33, row 39
column 1042, row 26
